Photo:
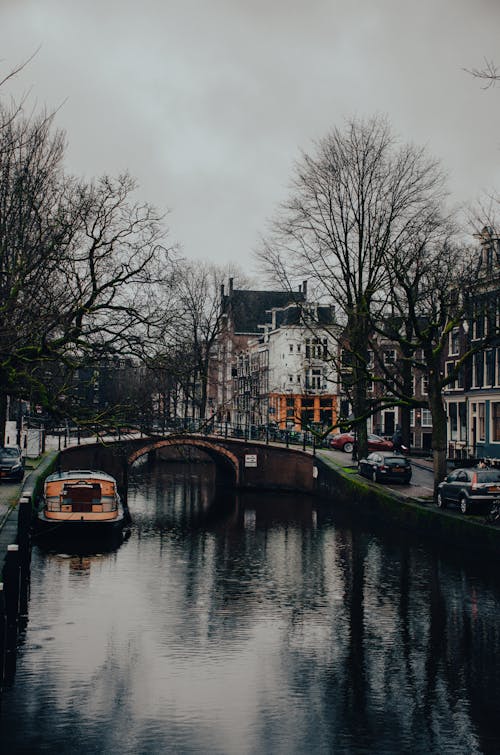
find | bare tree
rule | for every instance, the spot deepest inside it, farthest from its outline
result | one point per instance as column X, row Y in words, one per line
column 432, row 281
column 489, row 73
column 198, row 325
column 79, row 265
column 353, row 203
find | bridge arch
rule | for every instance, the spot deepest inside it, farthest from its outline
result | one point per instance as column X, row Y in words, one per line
column 220, row 455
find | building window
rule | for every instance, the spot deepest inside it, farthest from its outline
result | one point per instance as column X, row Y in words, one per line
column 454, row 343
column 389, row 356
column 490, row 367
column 478, row 321
column 314, row 379
column 426, row 418
column 290, row 346
column 482, row 423
column 478, row 370
column 316, row 348
column 462, row 420
column 425, row 385
column 453, row 415
column 495, row 421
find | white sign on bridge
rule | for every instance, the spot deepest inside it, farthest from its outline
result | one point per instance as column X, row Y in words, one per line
column 250, row 460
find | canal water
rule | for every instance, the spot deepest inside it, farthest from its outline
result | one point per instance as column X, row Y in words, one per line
column 254, row 624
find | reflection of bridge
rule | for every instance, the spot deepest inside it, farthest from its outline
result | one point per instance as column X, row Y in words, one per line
column 239, row 463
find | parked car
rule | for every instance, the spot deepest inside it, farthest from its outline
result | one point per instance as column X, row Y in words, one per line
column 385, row 466
column 472, row 489
column 11, row 463
column 345, row 442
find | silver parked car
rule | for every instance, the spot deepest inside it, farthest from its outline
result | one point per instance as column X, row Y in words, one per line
column 471, row 489
column 11, row 463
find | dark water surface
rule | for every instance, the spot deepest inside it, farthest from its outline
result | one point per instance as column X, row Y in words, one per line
column 254, row 624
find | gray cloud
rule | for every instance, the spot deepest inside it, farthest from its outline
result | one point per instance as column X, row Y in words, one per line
column 208, row 104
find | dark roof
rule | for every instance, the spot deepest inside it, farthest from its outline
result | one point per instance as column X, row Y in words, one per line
column 322, row 315
column 248, row 308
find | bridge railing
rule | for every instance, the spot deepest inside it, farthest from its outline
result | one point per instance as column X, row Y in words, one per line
column 267, row 434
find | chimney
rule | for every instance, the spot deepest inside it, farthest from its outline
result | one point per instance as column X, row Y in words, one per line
column 304, row 288
column 230, row 286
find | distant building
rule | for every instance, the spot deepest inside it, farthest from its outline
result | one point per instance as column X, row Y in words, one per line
column 473, row 400
column 243, row 312
column 274, row 361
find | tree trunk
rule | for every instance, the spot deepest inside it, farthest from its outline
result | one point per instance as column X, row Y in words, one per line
column 3, row 417
column 439, row 435
column 406, row 372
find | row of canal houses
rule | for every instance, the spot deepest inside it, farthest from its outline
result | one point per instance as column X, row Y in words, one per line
column 272, row 367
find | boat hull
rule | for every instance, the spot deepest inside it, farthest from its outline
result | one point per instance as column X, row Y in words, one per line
column 80, row 506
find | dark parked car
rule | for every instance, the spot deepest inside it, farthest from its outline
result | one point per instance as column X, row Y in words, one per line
column 385, row 466
column 345, row 442
column 470, row 488
column 11, row 463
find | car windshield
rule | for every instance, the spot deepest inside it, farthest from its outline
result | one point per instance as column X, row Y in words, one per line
column 9, row 452
column 400, row 460
column 489, row 475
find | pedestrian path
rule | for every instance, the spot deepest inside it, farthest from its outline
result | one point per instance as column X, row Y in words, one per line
column 10, row 491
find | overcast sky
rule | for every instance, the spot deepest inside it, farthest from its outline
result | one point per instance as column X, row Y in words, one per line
column 209, row 102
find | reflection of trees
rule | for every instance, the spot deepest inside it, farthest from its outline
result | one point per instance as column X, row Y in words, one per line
column 346, row 641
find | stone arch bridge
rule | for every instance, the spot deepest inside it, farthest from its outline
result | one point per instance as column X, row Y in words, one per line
column 239, row 463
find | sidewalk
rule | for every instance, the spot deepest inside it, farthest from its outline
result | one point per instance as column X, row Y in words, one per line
column 10, row 491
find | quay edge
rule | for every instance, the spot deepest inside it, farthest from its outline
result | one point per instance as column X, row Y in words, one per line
column 375, row 504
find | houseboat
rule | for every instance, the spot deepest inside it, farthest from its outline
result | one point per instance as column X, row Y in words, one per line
column 81, row 503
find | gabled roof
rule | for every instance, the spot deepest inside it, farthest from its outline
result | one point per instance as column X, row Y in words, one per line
column 248, row 309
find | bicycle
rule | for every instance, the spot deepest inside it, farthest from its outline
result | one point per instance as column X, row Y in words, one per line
column 493, row 515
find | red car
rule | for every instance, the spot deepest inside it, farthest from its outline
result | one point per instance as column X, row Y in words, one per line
column 345, row 442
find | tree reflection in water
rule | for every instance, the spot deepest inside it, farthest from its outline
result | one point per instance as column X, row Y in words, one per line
column 256, row 623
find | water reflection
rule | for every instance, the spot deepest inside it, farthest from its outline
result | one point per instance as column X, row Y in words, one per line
column 254, row 624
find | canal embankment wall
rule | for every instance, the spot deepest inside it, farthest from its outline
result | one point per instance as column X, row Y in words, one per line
column 374, row 503
column 17, row 507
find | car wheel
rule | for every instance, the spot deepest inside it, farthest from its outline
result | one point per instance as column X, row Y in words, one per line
column 374, row 475
column 348, row 447
column 464, row 504
column 440, row 502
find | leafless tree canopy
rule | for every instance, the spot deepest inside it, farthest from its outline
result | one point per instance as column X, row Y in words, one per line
column 80, row 263
column 489, row 73
column 356, row 205
column 354, row 202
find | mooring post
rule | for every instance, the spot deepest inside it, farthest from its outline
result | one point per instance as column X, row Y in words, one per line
column 3, row 634
column 24, row 519
column 12, row 574
column 24, row 522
